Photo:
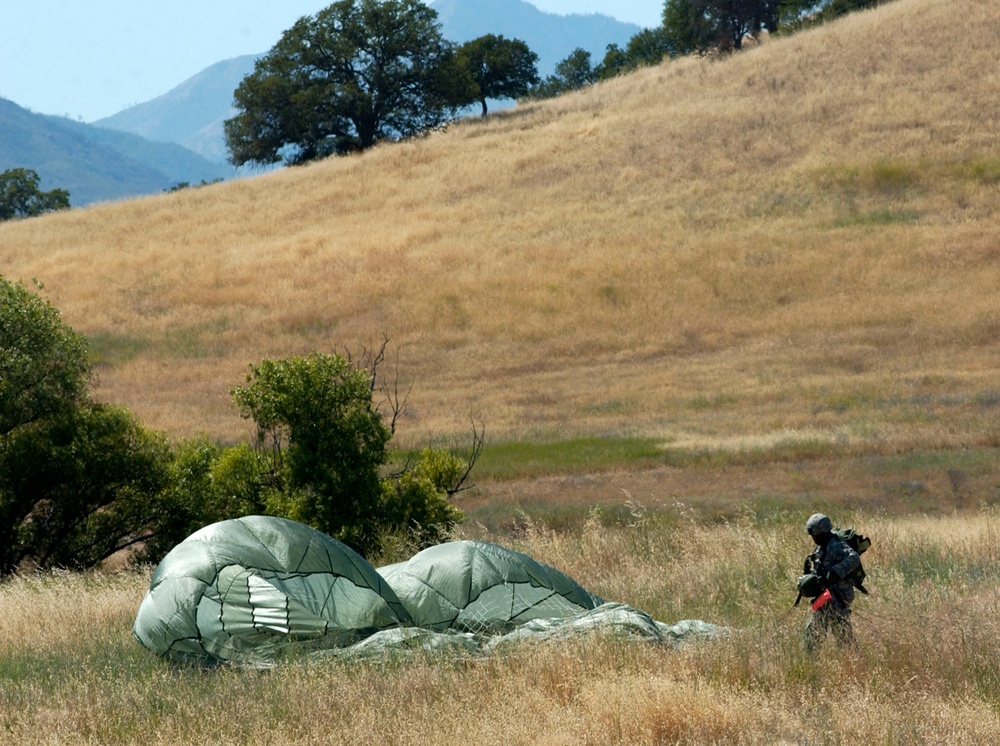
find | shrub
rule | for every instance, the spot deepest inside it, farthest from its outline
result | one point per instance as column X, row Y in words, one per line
column 79, row 481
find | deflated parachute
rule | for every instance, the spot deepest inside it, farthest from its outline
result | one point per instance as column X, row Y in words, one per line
column 474, row 586
column 241, row 589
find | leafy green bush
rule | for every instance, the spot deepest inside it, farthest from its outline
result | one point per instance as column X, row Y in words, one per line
column 20, row 196
column 79, row 481
column 417, row 498
column 78, row 488
column 320, row 447
column 43, row 362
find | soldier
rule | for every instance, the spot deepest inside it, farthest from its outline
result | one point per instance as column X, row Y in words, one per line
column 831, row 562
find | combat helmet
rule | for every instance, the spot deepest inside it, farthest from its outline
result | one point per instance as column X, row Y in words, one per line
column 818, row 524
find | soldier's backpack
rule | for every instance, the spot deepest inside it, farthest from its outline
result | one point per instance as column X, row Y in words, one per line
column 859, row 544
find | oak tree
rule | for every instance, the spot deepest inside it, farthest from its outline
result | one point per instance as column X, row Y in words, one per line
column 357, row 73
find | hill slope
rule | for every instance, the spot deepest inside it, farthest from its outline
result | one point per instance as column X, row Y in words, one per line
column 190, row 114
column 94, row 164
column 68, row 160
column 796, row 246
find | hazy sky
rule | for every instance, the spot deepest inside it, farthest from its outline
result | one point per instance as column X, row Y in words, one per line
column 90, row 59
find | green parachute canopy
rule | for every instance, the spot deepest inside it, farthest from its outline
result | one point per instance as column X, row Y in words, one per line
column 474, row 586
column 241, row 589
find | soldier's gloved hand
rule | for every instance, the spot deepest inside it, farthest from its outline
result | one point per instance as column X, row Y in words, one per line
column 833, row 576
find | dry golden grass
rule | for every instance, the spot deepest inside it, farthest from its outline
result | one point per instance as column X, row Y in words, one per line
column 800, row 241
column 925, row 670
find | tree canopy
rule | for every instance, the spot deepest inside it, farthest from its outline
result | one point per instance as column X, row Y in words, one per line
column 315, row 414
column 501, row 68
column 43, row 362
column 21, row 197
column 320, row 448
column 78, row 480
column 694, row 26
column 648, row 47
column 571, row 73
column 357, row 73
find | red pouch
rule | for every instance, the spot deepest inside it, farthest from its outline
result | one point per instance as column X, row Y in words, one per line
column 822, row 600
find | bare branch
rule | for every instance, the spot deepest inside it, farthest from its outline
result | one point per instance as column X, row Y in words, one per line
column 397, row 403
column 478, row 439
column 386, row 385
column 375, row 359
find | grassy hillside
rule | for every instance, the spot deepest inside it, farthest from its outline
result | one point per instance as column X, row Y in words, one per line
column 795, row 245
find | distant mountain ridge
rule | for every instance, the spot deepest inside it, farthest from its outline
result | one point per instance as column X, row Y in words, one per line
column 94, row 164
column 552, row 37
column 192, row 114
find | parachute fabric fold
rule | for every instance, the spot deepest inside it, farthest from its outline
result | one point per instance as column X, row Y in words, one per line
column 608, row 619
column 475, row 586
column 242, row 589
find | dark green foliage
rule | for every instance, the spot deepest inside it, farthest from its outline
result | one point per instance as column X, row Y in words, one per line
column 182, row 185
column 501, row 68
column 43, row 363
column 77, row 489
column 78, row 481
column 356, row 73
column 696, row 26
column 835, row 8
column 416, row 499
column 323, row 438
column 20, row 196
column 648, row 47
column 688, row 27
column 207, row 484
column 572, row 73
column 320, row 447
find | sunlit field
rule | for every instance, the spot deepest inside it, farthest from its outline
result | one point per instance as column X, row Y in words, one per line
column 691, row 307
column 925, row 669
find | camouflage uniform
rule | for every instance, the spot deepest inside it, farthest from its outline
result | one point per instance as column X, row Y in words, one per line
column 832, row 560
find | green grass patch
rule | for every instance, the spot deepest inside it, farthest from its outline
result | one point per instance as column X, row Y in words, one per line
column 108, row 349
column 522, row 519
column 892, row 177
column 194, row 342
column 519, row 460
column 887, row 178
column 988, row 398
column 874, row 218
column 931, row 563
column 985, row 171
column 790, row 450
column 972, row 461
column 189, row 342
column 611, row 406
column 613, row 295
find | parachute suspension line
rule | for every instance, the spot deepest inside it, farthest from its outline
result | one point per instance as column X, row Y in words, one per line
column 530, row 607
